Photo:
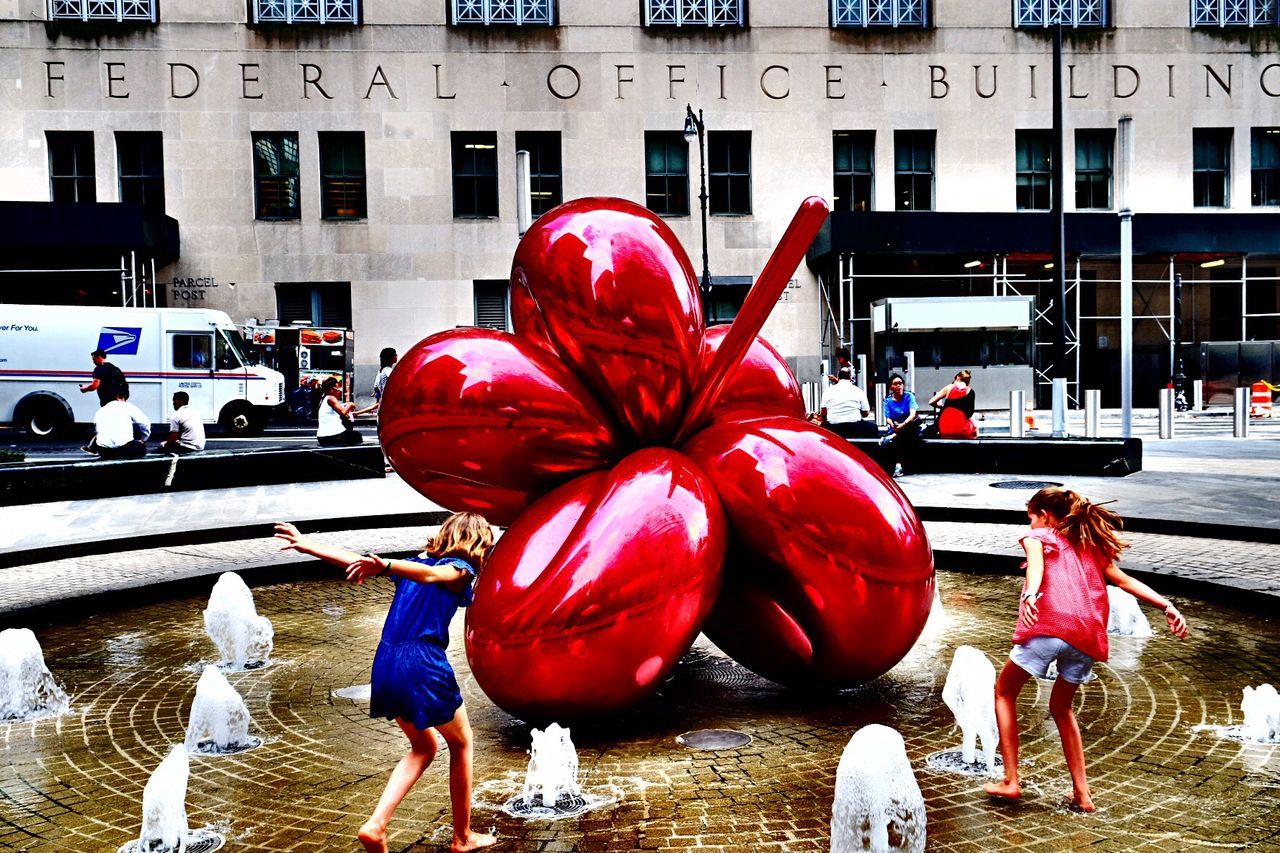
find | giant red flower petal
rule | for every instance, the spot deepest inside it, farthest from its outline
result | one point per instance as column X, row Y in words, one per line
column 617, row 297
column 831, row 578
column 483, row 421
column 762, row 385
column 592, row 596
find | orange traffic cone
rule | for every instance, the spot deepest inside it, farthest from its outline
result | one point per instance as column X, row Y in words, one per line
column 1260, row 400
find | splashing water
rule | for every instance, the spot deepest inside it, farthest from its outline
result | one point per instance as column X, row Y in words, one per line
column 244, row 639
column 219, row 721
column 878, row 807
column 1261, row 709
column 1126, row 619
column 164, row 805
column 553, row 766
column 970, row 693
column 27, row 688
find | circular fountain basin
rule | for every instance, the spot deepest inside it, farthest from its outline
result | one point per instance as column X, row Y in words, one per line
column 1159, row 783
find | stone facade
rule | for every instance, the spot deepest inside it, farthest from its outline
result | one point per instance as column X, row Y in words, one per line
column 407, row 79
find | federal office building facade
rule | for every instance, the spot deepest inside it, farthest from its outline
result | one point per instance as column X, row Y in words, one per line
column 353, row 162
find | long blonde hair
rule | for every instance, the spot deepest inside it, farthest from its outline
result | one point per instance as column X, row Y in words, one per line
column 1085, row 525
column 465, row 535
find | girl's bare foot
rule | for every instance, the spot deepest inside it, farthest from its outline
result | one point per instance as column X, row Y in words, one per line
column 1005, row 789
column 473, row 841
column 373, row 836
column 1081, row 802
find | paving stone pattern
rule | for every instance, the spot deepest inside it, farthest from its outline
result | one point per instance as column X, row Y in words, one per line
column 75, row 783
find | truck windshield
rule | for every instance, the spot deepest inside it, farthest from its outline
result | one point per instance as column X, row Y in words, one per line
column 231, row 350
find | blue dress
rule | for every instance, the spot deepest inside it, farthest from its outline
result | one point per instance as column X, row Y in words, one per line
column 412, row 678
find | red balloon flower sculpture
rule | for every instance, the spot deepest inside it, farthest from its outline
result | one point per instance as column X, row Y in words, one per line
column 657, row 478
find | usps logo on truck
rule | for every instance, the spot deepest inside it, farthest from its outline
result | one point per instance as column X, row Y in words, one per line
column 119, row 340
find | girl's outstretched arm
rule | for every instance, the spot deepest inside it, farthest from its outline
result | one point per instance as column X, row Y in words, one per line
column 1115, row 575
column 1028, row 610
column 365, row 566
column 295, row 541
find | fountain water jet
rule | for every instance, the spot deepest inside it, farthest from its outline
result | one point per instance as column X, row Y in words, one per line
column 878, row 806
column 244, row 639
column 970, row 694
column 1127, row 618
column 164, row 804
column 551, row 788
column 1261, row 709
column 219, row 721
column 27, row 688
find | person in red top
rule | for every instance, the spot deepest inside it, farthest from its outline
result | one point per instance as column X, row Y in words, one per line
column 1071, row 556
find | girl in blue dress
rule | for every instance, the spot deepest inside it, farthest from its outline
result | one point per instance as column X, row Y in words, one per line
column 413, row 682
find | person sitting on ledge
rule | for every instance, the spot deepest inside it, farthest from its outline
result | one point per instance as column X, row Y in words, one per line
column 957, row 400
column 121, row 431
column 844, row 409
column 186, row 429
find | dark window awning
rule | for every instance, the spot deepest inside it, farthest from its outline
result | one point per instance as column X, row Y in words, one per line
column 58, row 235
column 937, row 233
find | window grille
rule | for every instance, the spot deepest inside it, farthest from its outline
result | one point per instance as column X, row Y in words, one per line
column 491, row 304
column 306, row 11
column 1234, row 13
column 879, row 13
column 102, row 10
column 521, row 13
column 1069, row 13
column 695, row 13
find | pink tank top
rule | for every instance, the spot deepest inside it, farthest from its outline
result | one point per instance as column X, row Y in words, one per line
column 1074, row 605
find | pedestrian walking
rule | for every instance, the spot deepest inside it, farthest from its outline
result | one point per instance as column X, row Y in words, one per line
column 108, row 380
column 1071, row 557
column 412, row 680
column 387, row 359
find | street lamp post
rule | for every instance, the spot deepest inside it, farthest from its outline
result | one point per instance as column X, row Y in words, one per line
column 694, row 126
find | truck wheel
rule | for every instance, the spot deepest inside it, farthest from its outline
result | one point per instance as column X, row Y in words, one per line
column 241, row 420
column 44, row 420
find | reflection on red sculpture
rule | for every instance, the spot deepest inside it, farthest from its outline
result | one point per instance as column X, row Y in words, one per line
column 616, row 436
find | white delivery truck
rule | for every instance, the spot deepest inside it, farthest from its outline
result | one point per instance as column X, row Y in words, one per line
column 44, row 359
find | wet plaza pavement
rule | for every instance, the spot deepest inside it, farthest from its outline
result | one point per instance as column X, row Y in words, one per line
column 75, row 782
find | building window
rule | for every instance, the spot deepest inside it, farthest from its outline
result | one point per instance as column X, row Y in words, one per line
column 879, row 13
column 854, row 156
column 71, row 172
column 326, row 304
column 305, row 11
column 544, row 168
column 729, row 172
column 1034, row 169
column 1211, row 166
column 1233, row 13
column 1069, row 13
column 666, row 172
column 491, row 304
column 520, row 13
column 102, row 10
column 1093, row 169
column 724, row 301
column 1266, row 167
column 275, row 175
column 192, row 352
column 694, row 13
column 140, row 163
column 342, row 176
column 913, row 169
column 475, row 174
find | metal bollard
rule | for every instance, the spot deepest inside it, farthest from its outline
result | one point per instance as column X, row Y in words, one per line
column 1092, row 413
column 911, row 372
column 878, row 403
column 1059, row 407
column 1197, row 395
column 1017, row 426
column 1166, row 412
column 1240, row 422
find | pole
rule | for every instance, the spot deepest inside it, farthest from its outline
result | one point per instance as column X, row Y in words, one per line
column 1166, row 413
column 1179, row 375
column 702, row 202
column 524, row 193
column 1126, row 276
column 1016, row 423
column 1059, row 207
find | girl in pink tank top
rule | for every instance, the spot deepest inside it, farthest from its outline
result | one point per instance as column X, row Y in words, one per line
column 1071, row 556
